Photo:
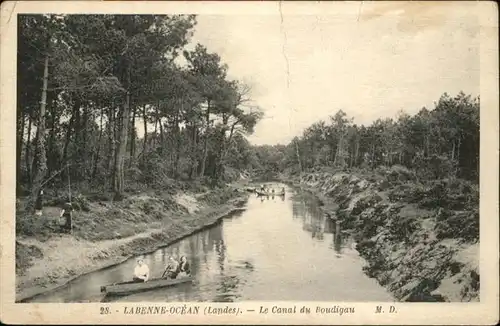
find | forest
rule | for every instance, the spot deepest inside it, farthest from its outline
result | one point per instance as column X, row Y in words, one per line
column 116, row 102
column 442, row 142
column 89, row 85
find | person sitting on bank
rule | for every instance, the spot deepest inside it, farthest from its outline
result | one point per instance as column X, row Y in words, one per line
column 172, row 269
column 141, row 271
column 184, row 266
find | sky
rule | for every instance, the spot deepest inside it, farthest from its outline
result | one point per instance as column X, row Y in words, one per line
column 371, row 60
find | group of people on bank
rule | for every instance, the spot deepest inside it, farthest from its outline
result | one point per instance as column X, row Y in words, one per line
column 175, row 268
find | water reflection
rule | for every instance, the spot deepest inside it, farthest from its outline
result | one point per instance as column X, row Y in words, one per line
column 275, row 250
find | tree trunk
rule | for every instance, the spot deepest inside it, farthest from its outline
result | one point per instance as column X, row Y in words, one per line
column 226, row 145
column 426, row 145
column 193, row 151
column 121, row 146
column 298, row 156
column 20, row 141
column 145, row 141
column 118, row 122
column 83, row 128
column 88, row 116
column 52, row 159
column 229, row 139
column 66, row 145
column 98, row 150
column 78, row 154
column 27, row 155
column 339, row 156
column 356, row 152
column 458, row 154
column 132, row 140
column 178, row 142
column 205, row 145
column 111, row 139
column 219, row 156
column 373, row 156
column 162, row 136
column 155, row 133
column 41, row 166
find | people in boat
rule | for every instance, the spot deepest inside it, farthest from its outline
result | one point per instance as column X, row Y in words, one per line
column 141, row 271
column 184, row 268
column 172, row 269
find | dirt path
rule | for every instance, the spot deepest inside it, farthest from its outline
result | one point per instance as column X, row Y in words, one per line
column 64, row 257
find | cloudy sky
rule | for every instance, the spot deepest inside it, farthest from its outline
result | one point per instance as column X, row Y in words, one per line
column 369, row 59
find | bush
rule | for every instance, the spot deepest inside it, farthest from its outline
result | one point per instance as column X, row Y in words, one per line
column 32, row 225
column 464, row 225
column 397, row 174
column 100, row 197
column 402, row 227
column 434, row 166
column 364, row 202
column 25, row 255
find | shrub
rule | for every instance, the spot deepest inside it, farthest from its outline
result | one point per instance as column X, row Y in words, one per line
column 402, row 227
column 464, row 225
column 32, row 225
column 434, row 166
column 100, row 196
column 24, row 256
column 399, row 174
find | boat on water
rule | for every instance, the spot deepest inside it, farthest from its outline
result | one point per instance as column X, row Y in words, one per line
column 126, row 288
column 267, row 193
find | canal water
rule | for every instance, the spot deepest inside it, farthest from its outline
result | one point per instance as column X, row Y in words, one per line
column 276, row 249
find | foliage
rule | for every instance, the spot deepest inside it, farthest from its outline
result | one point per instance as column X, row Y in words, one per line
column 461, row 225
column 111, row 78
column 433, row 144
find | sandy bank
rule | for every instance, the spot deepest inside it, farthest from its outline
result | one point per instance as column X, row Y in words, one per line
column 145, row 224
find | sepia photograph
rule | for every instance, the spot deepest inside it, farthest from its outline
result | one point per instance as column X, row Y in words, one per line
column 177, row 157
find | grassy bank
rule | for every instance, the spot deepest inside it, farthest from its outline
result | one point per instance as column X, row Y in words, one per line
column 420, row 239
column 107, row 232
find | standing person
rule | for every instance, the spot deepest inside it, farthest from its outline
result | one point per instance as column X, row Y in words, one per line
column 184, row 266
column 172, row 268
column 39, row 203
column 67, row 213
column 141, row 271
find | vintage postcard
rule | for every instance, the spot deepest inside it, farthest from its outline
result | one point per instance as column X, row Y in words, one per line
column 249, row 162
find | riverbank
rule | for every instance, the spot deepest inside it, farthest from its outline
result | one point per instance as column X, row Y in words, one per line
column 420, row 239
column 107, row 233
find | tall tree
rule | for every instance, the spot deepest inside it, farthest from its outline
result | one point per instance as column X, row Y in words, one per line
column 210, row 75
